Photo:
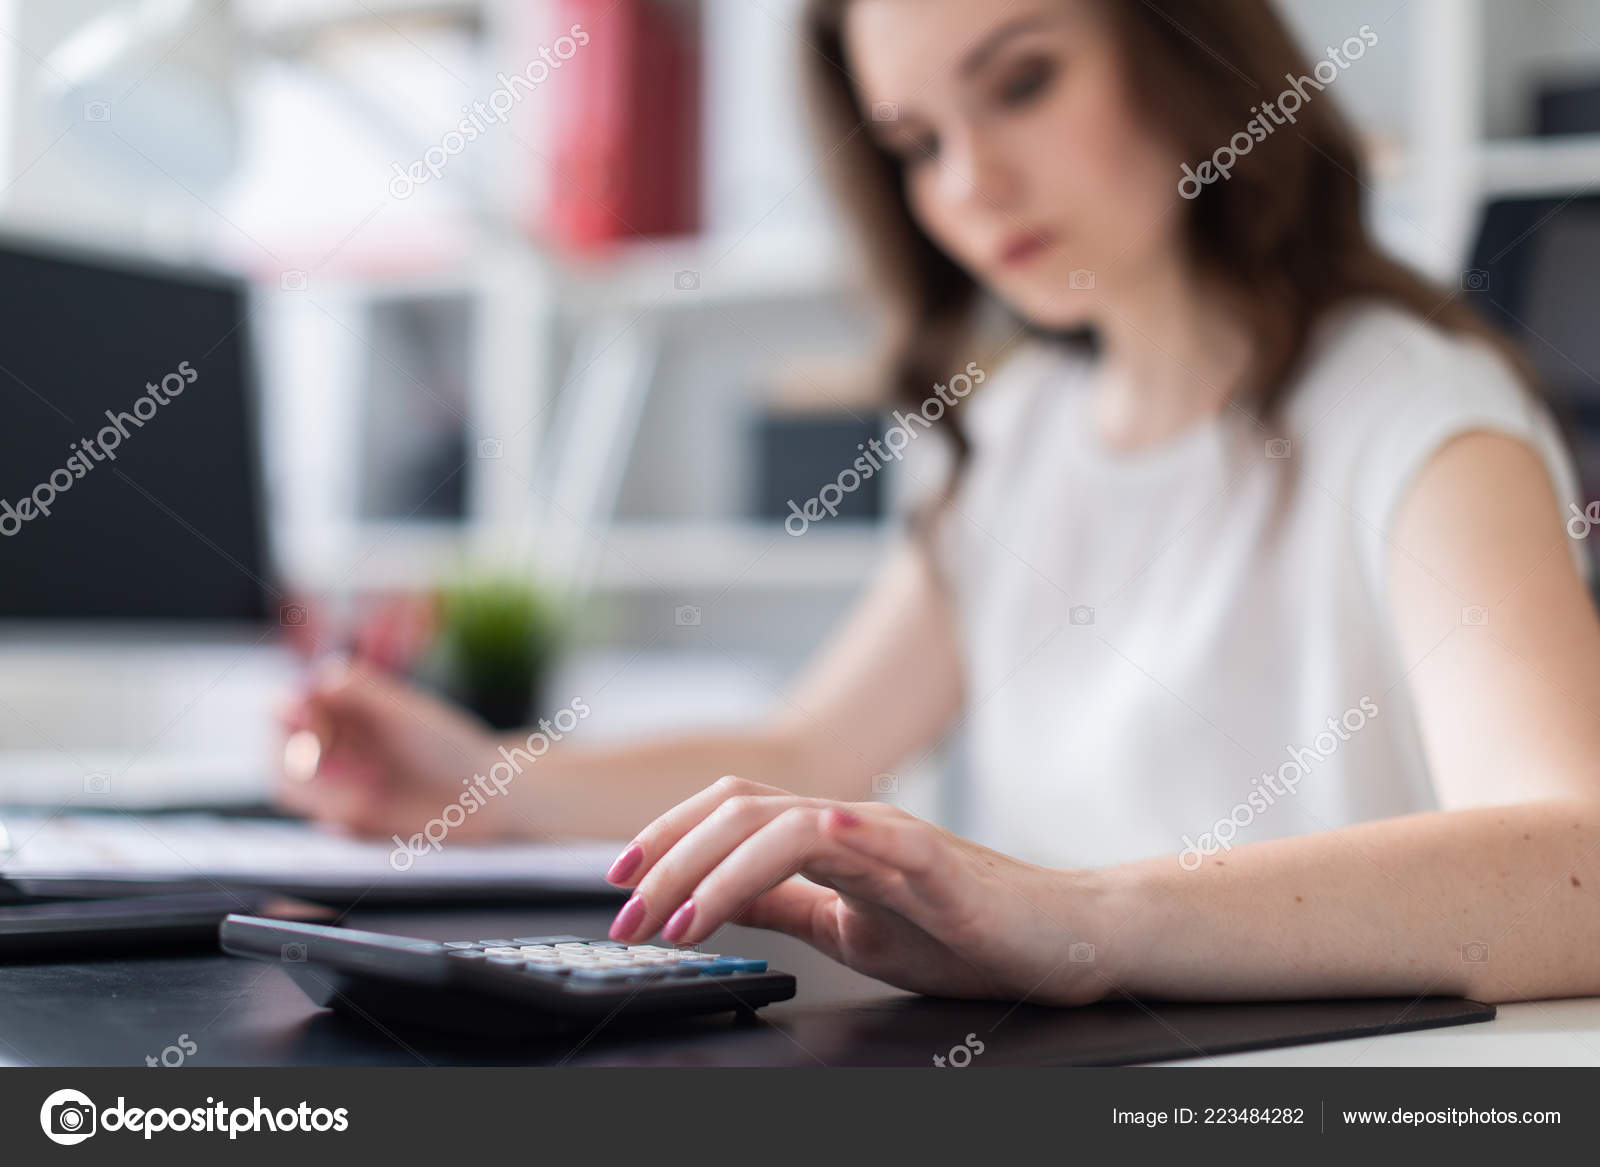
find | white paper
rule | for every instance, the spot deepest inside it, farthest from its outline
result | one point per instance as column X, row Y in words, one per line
column 268, row 851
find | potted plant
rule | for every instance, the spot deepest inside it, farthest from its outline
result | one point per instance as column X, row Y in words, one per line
column 498, row 637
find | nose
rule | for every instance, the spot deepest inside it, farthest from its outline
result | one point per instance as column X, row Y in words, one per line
column 976, row 171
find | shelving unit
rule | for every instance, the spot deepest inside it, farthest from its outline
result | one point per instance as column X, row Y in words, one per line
column 1437, row 102
column 532, row 312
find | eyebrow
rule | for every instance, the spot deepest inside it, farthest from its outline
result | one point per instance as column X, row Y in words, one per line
column 992, row 44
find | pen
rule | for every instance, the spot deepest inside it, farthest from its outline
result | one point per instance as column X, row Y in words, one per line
column 394, row 634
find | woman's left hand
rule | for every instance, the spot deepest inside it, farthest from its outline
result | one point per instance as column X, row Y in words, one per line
column 884, row 892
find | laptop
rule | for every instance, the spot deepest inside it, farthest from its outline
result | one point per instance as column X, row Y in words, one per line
column 139, row 655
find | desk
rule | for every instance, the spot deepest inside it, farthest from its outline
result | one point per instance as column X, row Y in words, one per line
column 245, row 1013
column 1532, row 1033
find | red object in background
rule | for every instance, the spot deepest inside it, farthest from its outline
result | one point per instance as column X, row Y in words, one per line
column 627, row 132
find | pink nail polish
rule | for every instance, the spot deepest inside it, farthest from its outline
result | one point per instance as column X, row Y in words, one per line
column 629, row 919
column 625, row 864
column 679, row 924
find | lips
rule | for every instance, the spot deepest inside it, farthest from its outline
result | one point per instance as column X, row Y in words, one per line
column 1021, row 248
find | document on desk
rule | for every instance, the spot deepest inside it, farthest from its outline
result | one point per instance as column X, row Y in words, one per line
column 296, row 858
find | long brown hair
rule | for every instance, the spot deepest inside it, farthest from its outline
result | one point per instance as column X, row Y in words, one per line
column 1284, row 236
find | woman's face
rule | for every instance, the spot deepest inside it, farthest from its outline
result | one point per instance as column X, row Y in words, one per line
column 1023, row 159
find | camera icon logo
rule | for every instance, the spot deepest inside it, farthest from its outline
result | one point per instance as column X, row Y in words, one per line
column 885, row 784
column 1475, row 616
column 292, row 615
column 1081, row 953
column 293, row 281
column 885, row 111
column 1081, row 280
column 1278, row 448
column 97, row 111
column 68, row 1117
column 97, row 783
column 1082, row 614
column 686, row 616
column 294, row 953
column 490, row 447
column 1475, row 952
column 1475, row 280
column 686, row 281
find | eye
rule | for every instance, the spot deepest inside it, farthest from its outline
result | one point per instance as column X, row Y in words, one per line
column 1027, row 82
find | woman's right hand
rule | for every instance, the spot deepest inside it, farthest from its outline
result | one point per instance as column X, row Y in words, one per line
column 392, row 757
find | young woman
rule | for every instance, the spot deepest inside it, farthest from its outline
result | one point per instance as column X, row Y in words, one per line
column 1252, row 590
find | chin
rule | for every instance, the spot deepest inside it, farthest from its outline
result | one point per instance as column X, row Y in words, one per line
column 1054, row 309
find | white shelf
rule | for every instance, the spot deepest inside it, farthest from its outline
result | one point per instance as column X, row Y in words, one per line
column 645, row 274
column 690, row 556
column 639, row 556
column 1535, row 166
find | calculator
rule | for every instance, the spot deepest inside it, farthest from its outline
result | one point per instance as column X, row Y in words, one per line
column 519, row 983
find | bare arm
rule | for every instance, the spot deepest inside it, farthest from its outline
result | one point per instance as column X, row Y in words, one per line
column 887, row 683
column 1498, row 895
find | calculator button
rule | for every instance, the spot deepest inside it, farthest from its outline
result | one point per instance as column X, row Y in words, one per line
column 606, row 944
column 547, row 970
column 494, row 944
column 506, row 961
column 716, row 968
column 467, row 954
column 745, row 964
column 461, row 944
column 600, row 974
column 503, row 950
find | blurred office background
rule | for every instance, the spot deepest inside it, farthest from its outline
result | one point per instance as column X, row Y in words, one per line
column 600, row 347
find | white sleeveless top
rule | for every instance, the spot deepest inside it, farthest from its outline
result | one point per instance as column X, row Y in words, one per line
column 1189, row 648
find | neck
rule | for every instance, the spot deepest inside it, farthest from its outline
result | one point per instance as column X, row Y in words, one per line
column 1174, row 354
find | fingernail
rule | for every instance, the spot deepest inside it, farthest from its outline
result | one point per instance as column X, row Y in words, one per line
column 629, row 919
column 679, row 924
column 846, row 818
column 625, row 864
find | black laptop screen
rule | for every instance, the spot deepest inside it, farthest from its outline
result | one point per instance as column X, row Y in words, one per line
column 128, row 478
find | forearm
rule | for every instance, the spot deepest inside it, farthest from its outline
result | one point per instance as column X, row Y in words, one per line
column 1497, row 904
column 611, row 791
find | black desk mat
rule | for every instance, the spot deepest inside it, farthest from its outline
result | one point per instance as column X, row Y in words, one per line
column 243, row 1013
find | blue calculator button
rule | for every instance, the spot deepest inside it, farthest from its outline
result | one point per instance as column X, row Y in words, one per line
column 745, row 964
column 715, row 968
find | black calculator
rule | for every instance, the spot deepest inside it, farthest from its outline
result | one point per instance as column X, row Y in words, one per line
column 519, row 983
